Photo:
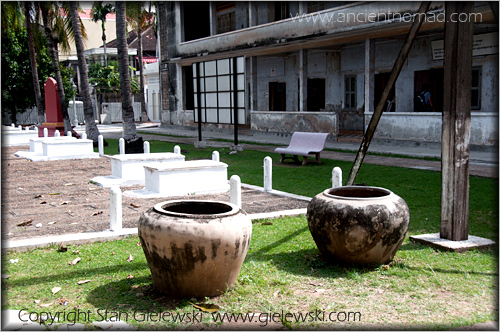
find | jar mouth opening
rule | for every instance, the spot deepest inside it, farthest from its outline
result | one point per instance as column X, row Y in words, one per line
column 357, row 192
column 197, row 209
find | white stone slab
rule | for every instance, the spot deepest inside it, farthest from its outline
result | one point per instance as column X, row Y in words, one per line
column 128, row 169
column 183, row 178
column 17, row 137
column 435, row 241
column 36, row 147
column 65, row 148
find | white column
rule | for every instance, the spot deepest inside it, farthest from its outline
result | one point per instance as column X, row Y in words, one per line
column 69, row 134
column 121, row 145
column 177, row 149
column 100, row 144
column 146, row 147
column 268, row 174
column 45, row 132
column 303, row 80
column 57, row 133
column 253, row 83
column 336, row 177
column 235, row 190
column 84, row 135
column 115, row 209
column 369, row 75
column 20, row 128
column 215, row 156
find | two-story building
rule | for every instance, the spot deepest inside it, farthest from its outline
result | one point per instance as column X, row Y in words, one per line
column 316, row 66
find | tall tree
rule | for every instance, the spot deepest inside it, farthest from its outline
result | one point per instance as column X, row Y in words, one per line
column 34, row 68
column 99, row 13
column 140, row 19
column 90, row 126
column 50, row 14
column 129, row 128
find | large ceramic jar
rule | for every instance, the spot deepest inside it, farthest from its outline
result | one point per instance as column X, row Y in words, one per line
column 359, row 225
column 194, row 248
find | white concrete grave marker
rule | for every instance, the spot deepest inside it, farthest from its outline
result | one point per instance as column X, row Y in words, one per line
column 57, row 133
column 121, row 144
column 100, row 143
column 45, row 132
column 146, row 147
column 115, row 209
column 268, row 174
column 215, row 156
column 336, row 177
column 235, row 190
column 68, row 134
column 84, row 135
column 177, row 149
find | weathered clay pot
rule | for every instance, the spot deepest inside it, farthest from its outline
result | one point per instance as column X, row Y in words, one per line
column 359, row 225
column 194, row 248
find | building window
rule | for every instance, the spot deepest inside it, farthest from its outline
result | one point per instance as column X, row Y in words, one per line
column 475, row 97
column 381, row 80
column 280, row 10
column 196, row 22
column 433, row 81
column 226, row 16
column 315, row 94
column 277, row 96
column 350, row 92
column 315, row 6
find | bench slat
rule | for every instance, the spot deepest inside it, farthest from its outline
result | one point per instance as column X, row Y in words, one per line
column 304, row 144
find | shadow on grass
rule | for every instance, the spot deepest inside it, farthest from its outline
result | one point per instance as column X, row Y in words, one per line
column 97, row 272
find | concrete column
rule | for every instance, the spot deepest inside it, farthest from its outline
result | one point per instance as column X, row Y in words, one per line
column 100, row 144
column 146, row 147
column 213, row 18
column 45, row 132
column 253, row 82
column 57, row 133
column 121, row 145
column 177, row 149
column 336, row 177
column 115, row 209
column 268, row 174
column 302, row 7
column 235, row 190
column 215, row 156
column 369, row 75
column 302, row 80
column 252, row 13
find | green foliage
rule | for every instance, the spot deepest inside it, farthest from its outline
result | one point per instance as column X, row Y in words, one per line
column 107, row 79
column 17, row 80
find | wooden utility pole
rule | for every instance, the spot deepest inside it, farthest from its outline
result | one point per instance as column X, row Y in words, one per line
column 398, row 65
column 455, row 143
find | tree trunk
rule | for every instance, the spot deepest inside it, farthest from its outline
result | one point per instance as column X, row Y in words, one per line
column 57, row 71
column 90, row 126
column 129, row 128
column 144, row 112
column 34, row 67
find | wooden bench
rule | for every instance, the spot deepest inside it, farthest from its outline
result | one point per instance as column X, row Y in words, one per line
column 304, row 144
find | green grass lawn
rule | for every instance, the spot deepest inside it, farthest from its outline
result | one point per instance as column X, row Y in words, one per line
column 283, row 273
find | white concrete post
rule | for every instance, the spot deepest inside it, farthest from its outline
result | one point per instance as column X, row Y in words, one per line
column 68, row 134
column 235, row 190
column 146, row 147
column 215, row 156
column 84, row 135
column 121, row 144
column 20, row 128
column 12, row 125
column 268, row 174
column 57, row 133
column 100, row 144
column 26, row 128
column 45, row 132
column 336, row 177
column 36, row 129
column 115, row 209
column 177, row 149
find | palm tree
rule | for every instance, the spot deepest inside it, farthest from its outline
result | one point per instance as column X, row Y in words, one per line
column 90, row 126
column 29, row 27
column 132, row 141
column 140, row 19
column 49, row 14
column 99, row 13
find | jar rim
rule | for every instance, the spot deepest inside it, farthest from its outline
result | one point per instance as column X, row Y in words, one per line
column 360, row 193
column 201, row 209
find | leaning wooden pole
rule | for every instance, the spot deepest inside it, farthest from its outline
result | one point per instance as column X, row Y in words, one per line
column 398, row 65
column 455, row 142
